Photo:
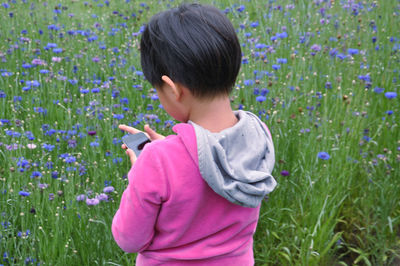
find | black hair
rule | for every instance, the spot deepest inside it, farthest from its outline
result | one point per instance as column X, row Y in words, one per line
column 196, row 46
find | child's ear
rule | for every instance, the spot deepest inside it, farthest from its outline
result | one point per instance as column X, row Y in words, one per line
column 176, row 89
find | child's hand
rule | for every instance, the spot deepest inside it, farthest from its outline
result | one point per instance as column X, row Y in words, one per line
column 151, row 134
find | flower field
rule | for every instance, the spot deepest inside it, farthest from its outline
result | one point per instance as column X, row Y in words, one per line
column 324, row 75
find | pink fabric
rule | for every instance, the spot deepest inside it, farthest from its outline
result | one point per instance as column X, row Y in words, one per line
column 171, row 216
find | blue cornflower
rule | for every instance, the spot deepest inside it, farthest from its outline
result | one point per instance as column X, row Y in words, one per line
column 260, row 46
column 328, row 85
column 390, row 94
column 248, row 82
column 352, row 51
column 84, row 91
column 24, row 193
column 124, row 101
column 44, row 71
column 94, row 144
column 73, row 81
column 54, row 174
column 281, row 60
column 118, row 116
column 264, row 91
column 254, row 24
column 48, row 147
column 36, row 174
column 365, row 78
column 282, row 35
column 70, row 159
column 341, row 56
column 323, row 155
column 241, row 8
column 260, row 98
column 33, row 83
column 276, row 67
column 50, row 45
column 117, row 160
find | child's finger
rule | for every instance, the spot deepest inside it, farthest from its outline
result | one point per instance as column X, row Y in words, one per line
column 123, row 146
column 129, row 129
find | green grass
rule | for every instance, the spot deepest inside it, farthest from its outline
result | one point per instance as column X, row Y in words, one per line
column 341, row 211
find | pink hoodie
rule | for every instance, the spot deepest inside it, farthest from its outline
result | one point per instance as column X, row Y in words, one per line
column 171, row 216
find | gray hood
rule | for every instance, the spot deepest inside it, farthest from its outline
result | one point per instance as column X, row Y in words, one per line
column 237, row 162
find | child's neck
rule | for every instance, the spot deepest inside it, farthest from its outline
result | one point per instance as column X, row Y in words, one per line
column 215, row 115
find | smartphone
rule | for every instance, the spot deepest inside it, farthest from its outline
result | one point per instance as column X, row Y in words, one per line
column 136, row 142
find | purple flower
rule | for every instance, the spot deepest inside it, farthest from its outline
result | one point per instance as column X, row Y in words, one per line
column 285, row 173
column 56, row 59
column 102, row 197
column 390, row 94
column 51, row 196
column 42, row 186
column 92, row 202
column 328, row 85
column 108, row 189
column 316, row 47
column 92, row 132
column 323, row 155
column 38, row 62
column 81, row 197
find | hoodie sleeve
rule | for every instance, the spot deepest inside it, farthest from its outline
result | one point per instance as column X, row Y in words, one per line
column 133, row 223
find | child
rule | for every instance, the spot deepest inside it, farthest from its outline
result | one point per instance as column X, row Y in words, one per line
column 194, row 198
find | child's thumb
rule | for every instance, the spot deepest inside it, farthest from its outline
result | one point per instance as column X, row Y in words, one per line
column 132, row 155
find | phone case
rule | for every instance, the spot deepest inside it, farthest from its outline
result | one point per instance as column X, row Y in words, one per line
column 136, row 142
